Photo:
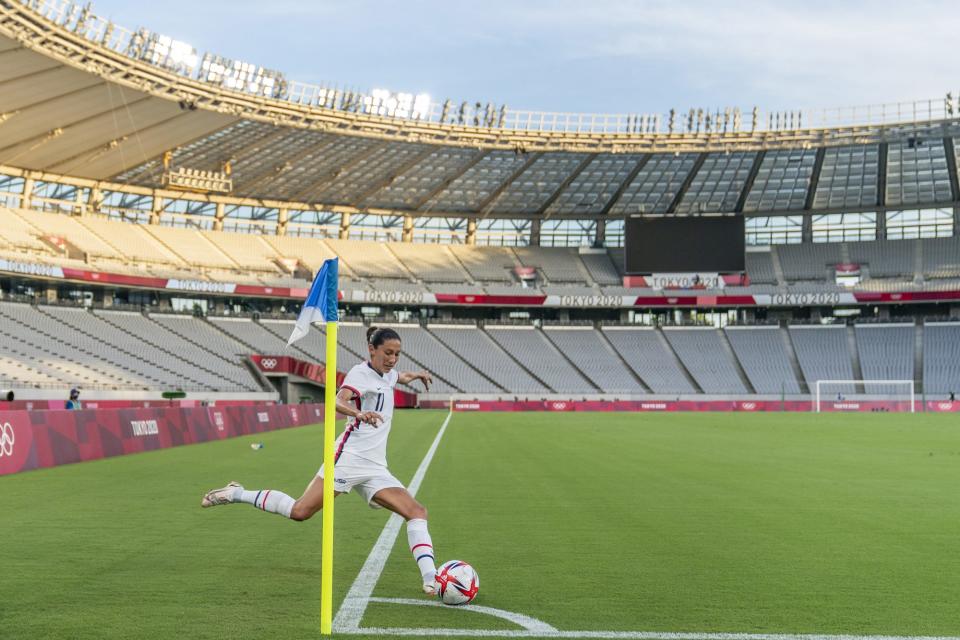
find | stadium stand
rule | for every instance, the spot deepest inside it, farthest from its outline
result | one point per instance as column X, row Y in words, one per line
column 886, row 353
column 491, row 264
column 193, row 248
column 762, row 352
column 824, row 354
column 760, row 268
column 36, row 341
column 601, row 268
column 941, row 357
column 429, row 262
column 895, row 258
column 941, row 257
column 557, row 265
column 649, row 355
column 134, row 236
column 309, row 251
column 433, row 355
column 595, row 358
column 488, row 357
column 530, row 348
column 256, row 337
column 17, row 234
column 246, row 250
column 809, row 262
column 707, row 357
column 368, row 259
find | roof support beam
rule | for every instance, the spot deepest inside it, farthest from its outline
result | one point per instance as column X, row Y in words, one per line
column 751, row 178
column 814, row 179
column 542, row 212
column 952, row 167
column 882, row 175
column 484, row 208
column 433, row 193
column 682, row 191
column 641, row 163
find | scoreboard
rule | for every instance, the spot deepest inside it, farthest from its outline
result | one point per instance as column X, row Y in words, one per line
column 684, row 244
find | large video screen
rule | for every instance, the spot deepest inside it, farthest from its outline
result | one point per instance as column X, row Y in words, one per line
column 687, row 244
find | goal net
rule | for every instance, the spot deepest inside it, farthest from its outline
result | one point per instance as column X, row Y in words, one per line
column 865, row 395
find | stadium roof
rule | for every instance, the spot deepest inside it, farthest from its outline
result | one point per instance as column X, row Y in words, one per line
column 85, row 98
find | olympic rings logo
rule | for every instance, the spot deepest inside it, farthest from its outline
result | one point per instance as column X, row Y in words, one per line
column 268, row 363
column 7, row 439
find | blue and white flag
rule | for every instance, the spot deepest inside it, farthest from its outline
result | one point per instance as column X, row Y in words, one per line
column 321, row 302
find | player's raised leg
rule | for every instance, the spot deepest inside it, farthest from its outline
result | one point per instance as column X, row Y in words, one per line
column 271, row 500
column 418, row 536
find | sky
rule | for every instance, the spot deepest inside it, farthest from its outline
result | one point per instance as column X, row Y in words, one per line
column 598, row 56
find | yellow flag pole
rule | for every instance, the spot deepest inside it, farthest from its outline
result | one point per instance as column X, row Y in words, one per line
column 329, row 437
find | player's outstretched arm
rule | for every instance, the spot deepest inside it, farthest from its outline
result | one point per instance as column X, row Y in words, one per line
column 424, row 376
column 345, row 396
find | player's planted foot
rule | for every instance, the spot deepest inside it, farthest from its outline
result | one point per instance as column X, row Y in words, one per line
column 224, row 495
column 430, row 585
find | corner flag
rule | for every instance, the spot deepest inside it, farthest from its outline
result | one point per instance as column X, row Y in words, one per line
column 321, row 302
column 321, row 305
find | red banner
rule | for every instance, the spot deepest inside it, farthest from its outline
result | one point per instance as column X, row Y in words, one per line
column 684, row 405
column 37, row 439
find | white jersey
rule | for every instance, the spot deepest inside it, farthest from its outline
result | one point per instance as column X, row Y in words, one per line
column 373, row 392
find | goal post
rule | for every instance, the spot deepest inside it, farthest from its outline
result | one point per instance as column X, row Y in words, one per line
column 844, row 394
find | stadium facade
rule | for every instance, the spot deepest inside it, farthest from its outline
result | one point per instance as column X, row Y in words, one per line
column 137, row 175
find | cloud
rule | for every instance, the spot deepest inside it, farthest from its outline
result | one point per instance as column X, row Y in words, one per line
column 601, row 56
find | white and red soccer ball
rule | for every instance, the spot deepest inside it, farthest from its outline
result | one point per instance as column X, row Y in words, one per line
column 458, row 583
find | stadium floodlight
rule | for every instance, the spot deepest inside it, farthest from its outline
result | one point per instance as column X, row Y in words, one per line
column 164, row 51
column 383, row 102
column 242, row 76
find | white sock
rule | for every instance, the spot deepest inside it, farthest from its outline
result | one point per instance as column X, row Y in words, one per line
column 266, row 499
column 422, row 547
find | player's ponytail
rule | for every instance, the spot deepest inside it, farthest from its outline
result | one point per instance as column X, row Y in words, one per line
column 377, row 336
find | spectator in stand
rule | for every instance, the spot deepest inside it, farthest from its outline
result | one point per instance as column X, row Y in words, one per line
column 74, row 402
column 952, row 396
column 9, row 396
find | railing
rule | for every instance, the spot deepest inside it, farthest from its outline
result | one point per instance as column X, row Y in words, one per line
column 182, row 59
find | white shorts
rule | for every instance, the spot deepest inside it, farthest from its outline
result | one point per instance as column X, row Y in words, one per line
column 366, row 478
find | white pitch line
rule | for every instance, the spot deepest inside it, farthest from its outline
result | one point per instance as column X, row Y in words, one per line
column 622, row 635
column 528, row 623
column 355, row 603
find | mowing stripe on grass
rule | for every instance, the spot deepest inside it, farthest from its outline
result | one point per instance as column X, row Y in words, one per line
column 621, row 635
column 355, row 603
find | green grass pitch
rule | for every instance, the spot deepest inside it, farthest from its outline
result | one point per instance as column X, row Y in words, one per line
column 779, row 523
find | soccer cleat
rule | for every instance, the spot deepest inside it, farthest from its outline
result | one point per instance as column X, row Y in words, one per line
column 223, row 495
column 430, row 588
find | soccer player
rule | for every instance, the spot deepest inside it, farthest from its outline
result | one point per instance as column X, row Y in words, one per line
column 360, row 461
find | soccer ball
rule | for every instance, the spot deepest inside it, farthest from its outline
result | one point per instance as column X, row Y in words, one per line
column 458, row 583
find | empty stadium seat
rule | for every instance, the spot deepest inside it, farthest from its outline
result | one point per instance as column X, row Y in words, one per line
column 886, row 353
column 824, row 354
column 707, row 358
column 649, row 355
column 530, row 348
column 598, row 361
column 941, row 357
column 762, row 352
